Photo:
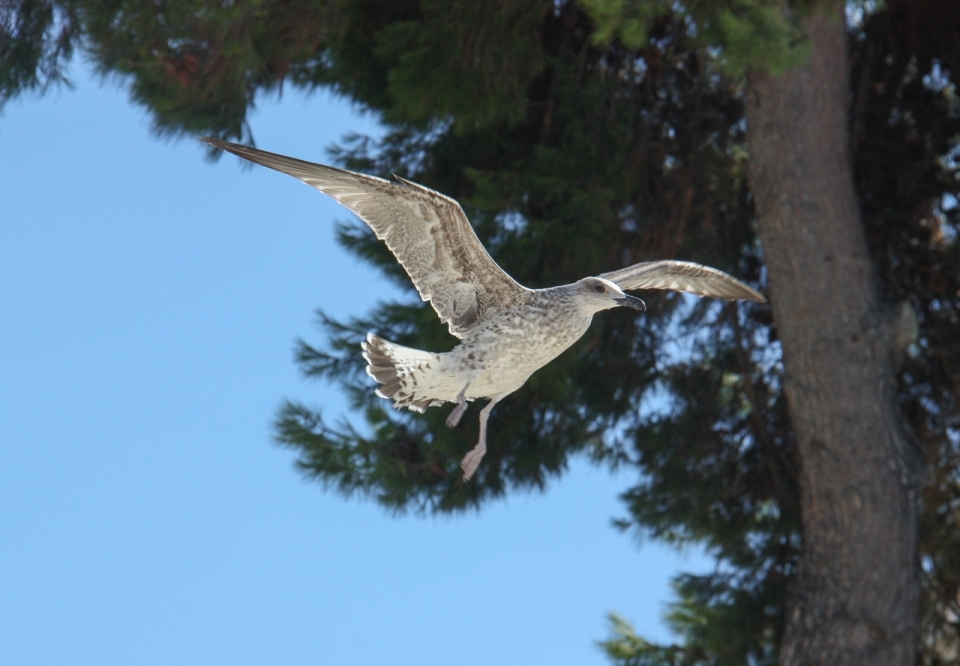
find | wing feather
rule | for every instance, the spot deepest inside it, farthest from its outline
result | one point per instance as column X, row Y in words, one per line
column 427, row 232
column 683, row 276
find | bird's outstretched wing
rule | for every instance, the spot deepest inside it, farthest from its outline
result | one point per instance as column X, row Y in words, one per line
column 683, row 276
column 427, row 232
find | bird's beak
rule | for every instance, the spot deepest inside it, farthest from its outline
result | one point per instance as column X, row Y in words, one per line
column 632, row 302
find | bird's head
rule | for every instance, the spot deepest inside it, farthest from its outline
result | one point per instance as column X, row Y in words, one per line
column 594, row 294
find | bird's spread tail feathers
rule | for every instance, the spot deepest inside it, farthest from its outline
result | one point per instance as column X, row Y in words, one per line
column 407, row 376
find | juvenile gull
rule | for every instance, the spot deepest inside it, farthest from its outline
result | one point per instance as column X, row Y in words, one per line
column 506, row 331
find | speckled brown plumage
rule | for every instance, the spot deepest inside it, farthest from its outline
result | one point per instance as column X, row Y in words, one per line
column 506, row 331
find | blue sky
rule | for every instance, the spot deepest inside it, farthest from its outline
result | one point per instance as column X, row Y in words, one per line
column 149, row 301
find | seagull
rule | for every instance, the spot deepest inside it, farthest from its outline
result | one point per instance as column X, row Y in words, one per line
column 507, row 331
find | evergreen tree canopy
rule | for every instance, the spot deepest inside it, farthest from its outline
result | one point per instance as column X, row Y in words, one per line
column 576, row 150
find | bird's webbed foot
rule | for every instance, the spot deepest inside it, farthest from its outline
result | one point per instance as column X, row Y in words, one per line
column 472, row 460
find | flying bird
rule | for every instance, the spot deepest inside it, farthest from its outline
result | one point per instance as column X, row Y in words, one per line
column 506, row 330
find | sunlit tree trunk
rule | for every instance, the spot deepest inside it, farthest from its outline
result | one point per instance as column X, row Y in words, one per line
column 856, row 598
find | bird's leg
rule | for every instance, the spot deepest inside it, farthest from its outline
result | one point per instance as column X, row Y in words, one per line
column 454, row 418
column 472, row 460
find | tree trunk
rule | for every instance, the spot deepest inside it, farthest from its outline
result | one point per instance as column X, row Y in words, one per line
column 857, row 592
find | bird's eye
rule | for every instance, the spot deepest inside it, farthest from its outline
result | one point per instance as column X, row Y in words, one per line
column 599, row 289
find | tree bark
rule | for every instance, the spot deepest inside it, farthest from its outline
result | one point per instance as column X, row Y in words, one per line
column 856, row 599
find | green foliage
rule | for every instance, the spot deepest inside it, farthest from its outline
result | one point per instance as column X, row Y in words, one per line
column 199, row 65
column 37, row 38
column 628, row 20
column 626, row 648
column 723, row 621
column 482, row 57
column 755, row 33
column 742, row 34
column 579, row 143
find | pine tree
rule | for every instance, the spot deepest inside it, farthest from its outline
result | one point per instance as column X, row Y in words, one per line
column 576, row 149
